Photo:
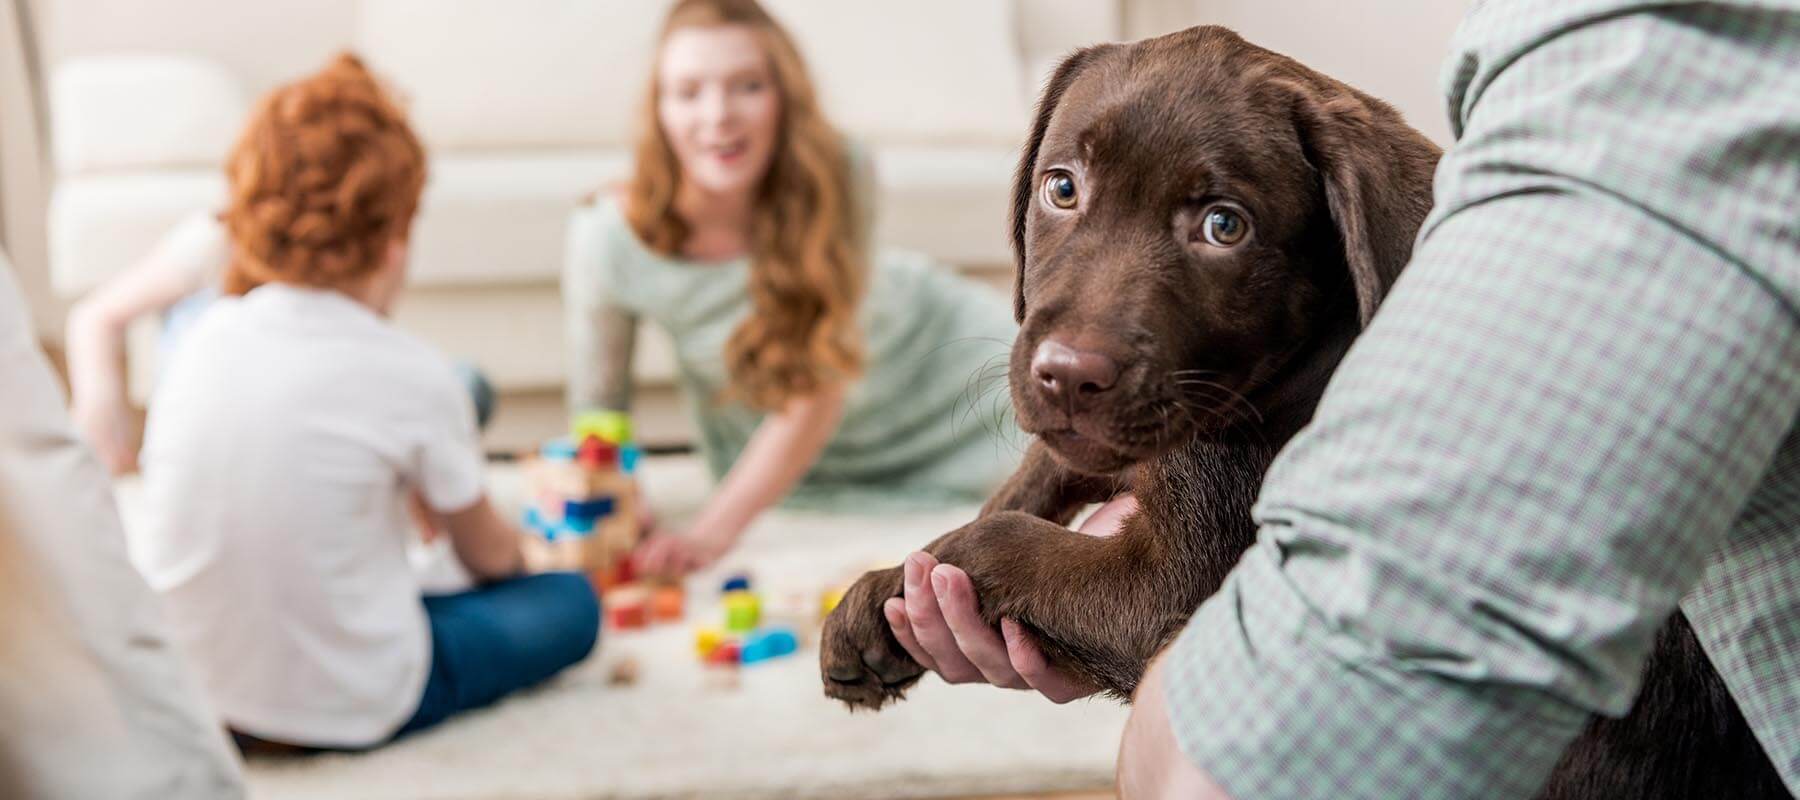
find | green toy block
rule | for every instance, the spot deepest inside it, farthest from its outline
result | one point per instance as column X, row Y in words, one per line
column 612, row 427
column 743, row 610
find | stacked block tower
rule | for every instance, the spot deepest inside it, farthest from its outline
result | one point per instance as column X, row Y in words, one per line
column 582, row 500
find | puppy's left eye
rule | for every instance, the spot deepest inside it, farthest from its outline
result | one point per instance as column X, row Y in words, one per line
column 1224, row 226
column 1059, row 189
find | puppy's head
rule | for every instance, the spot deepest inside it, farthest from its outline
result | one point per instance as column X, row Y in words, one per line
column 1194, row 218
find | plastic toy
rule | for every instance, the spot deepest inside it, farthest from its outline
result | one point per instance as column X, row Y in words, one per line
column 728, row 653
column 667, row 603
column 627, row 608
column 736, row 583
column 742, row 611
column 769, row 643
column 828, row 601
column 706, row 640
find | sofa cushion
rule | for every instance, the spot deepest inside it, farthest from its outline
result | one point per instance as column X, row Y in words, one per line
column 498, row 219
column 132, row 111
column 100, row 224
column 919, row 72
column 481, row 75
column 484, row 74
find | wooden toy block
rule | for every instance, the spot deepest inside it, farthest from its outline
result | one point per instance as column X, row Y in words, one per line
column 728, row 653
column 626, row 608
column 706, row 640
column 742, row 611
column 613, row 427
column 768, row 644
column 623, row 672
column 829, row 601
column 667, row 603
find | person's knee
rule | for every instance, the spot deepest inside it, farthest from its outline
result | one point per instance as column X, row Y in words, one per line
column 577, row 607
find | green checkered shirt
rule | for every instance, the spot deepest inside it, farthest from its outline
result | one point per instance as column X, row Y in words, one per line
column 1572, row 414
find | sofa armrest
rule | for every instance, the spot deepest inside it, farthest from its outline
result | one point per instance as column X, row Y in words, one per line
column 134, row 111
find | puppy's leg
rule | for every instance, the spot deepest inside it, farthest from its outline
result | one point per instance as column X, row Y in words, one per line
column 1044, row 488
column 1099, row 606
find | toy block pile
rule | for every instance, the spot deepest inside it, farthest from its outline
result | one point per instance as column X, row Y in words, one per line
column 754, row 631
column 582, row 500
column 632, row 605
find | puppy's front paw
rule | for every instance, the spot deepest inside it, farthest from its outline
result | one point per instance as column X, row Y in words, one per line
column 860, row 661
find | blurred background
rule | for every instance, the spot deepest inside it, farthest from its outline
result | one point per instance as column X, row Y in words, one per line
column 115, row 114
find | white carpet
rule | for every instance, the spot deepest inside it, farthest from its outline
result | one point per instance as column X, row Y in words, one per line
column 775, row 736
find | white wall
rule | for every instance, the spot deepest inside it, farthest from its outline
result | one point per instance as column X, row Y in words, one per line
column 1392, row 49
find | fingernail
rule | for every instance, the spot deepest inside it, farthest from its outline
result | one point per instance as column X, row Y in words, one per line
column 895, row 608
column 939, row 581
column 1009, row 630
column 910, row 572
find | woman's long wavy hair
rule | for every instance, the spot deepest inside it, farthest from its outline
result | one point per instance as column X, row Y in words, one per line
column 324, row 177
column 806, row 253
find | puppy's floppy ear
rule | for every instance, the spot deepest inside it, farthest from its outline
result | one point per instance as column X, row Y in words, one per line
column 1377, row 174
column 1023, row 187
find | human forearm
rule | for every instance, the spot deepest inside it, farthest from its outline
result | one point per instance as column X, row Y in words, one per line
column 486, row 545
column 780, row 452
column 1525, row 462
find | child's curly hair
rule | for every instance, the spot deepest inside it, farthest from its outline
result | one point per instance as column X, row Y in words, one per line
column 324, row 177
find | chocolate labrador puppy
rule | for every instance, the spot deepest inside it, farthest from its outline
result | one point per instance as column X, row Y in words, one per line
column 1202, row 227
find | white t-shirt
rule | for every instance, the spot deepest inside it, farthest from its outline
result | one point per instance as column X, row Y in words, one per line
column 281, row 443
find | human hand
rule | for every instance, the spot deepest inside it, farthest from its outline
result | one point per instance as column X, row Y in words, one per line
column 107, row 428
column 668, row 553
column 938, row 621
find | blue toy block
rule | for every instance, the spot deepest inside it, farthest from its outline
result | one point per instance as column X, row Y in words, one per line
column 770, row 643
column 535, row 522
column 558, row 450
column 587, row 510
column 628, row 458
column 736, row 583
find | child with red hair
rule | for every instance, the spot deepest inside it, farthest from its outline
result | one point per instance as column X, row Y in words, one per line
column 287, row 434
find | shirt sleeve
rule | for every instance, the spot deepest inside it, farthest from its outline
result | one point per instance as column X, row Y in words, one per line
column 451, row 469
column 599, row 332
column 1527, row 459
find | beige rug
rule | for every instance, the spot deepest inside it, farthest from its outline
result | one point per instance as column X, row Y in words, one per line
column 673, row 735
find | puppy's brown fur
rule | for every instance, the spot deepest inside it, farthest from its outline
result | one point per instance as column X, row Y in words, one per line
column 1217, row 355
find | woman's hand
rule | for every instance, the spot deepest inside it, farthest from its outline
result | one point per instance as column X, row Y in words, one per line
column 107, row 426
column 672, row 554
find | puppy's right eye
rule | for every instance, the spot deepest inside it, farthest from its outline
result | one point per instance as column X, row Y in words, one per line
column 1059, row 189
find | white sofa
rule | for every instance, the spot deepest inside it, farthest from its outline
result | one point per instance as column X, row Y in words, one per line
column 526, row 105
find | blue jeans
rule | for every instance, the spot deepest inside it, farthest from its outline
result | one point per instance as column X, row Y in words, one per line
column 489, row 642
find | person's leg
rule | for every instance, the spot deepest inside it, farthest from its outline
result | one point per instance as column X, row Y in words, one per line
column 491, row 641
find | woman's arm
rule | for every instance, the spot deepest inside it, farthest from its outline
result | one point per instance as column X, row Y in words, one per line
column 601, row 335
column 95, row 334
column 779, row 453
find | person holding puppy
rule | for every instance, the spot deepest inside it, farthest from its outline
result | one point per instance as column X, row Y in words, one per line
column 1572, row 416
column 287, row 434
column 817, row 370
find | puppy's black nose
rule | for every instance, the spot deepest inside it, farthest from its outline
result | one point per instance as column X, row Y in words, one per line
column 1072, row 378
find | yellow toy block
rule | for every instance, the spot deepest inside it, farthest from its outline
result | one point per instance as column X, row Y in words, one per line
column 706, row 640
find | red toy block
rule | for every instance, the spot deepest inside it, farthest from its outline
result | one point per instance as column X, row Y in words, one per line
column 728, row 653
column 626, row 609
